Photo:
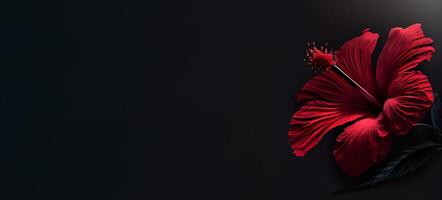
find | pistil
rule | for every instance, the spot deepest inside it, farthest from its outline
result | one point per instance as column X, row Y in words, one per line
column 322, row 60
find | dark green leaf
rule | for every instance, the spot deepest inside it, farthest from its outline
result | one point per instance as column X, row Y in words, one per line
column 436, row 114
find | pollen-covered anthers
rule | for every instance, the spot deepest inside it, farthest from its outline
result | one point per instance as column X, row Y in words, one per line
column 320, row 59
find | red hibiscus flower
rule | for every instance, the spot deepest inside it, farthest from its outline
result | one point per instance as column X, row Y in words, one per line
column 376, row 105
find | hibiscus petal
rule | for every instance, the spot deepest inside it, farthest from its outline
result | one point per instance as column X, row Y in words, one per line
column 354, row 58
column 404, row 50
column 315, row 119
column 361, row 145
column 410, row 98
column 331, row 87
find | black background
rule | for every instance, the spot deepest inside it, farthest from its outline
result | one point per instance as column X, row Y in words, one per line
column 178, row 100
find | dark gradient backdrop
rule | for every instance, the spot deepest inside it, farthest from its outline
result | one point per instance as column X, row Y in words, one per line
column 178, row 100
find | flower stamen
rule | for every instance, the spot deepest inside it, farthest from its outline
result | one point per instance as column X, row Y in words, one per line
column 319, row 59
